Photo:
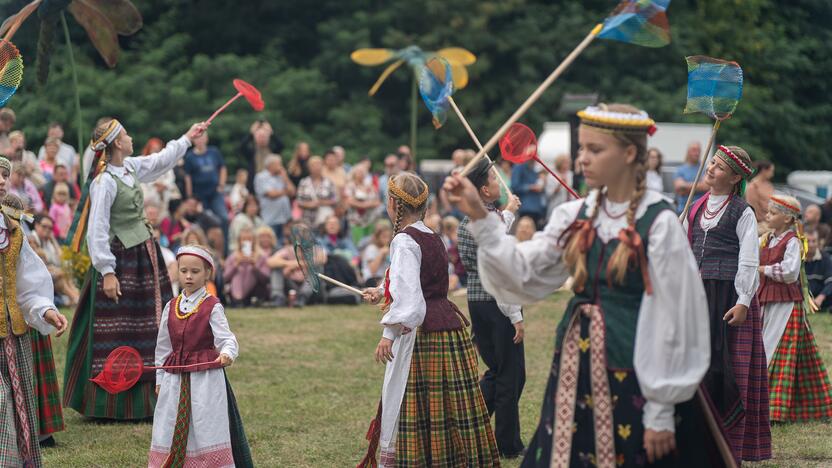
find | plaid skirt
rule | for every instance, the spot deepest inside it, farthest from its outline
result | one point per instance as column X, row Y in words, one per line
column 444, row 421
column 799, row 383
column 15, row 431
column 738, row 370
column 50, row 415
column 101, row 325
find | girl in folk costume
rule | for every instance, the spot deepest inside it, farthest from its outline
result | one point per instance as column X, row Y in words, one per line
column 196, row 422
column 431, row 411
column 634, row 342
column 722, row 230
column 50, row 415
column 798, row 381
column 26, row 297
column 127, row 287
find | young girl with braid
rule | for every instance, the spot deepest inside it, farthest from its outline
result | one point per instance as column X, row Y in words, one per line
column 634, row 342
column 722, row 230
column 431, row 411
column 799, row 385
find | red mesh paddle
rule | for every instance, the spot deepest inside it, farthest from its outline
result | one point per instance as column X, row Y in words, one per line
column 124, row 367
column 519, row 145
column 247, row 91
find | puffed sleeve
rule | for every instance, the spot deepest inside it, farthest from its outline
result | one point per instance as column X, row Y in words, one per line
column 788, row 270
column 163, row 345
column 672, row 349
column 747, row 279
column 224, row 340
column 102, row 195
column 525, row 272
column 408, row 306
column 151, row 167
column 34, row 289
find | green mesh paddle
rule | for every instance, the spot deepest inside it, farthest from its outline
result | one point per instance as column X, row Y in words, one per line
column 310, row 256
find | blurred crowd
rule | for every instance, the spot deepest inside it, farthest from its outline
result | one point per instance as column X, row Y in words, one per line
column 246, row 218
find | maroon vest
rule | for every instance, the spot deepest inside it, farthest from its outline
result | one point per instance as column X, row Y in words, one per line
column 440, row 313
column 191, row 339
column 775, row 291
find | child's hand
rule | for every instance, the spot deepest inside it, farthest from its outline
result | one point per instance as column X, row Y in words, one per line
column 384, row 351
column 157, row 389
column 371, row 295
column 736, row 316
column 225, row 360
column 761, row 269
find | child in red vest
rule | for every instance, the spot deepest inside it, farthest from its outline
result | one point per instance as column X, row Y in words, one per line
column 799, row 384
column 196, row 421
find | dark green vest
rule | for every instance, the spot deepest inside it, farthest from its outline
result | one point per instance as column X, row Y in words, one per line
column 127, row 222
column 619, row 303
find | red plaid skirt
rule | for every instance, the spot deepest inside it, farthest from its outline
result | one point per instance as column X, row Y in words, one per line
column 798, row 381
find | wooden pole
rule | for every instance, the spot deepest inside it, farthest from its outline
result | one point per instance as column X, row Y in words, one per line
column 699, row 172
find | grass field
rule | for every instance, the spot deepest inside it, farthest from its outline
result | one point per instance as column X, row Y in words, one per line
column 307, row 388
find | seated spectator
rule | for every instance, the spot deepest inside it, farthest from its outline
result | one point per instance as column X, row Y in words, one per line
column 21, row 186
column 335, row 243
column 247, row 219
column 60, row 175
column 333, row 170
column 194, row 235
column 173, row 226
column 273, row 188
column 362, row 203
column 209, row 222
column 18, row 152
column 286, row 277
column 375, row 259
column 239, row 191
column 450, row 228
column 818, row 270
column 60, row 211
column 50, row 157
column 66, row 154
column 43, row 242
column 525, row 229
column 246, row 272
column 316, row 195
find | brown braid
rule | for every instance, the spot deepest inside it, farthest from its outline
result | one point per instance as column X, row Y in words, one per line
column 399, row 213
column 624, row 254
column 575, row 254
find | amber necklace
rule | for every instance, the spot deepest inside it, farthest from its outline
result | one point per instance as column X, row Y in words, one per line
column 182, row 316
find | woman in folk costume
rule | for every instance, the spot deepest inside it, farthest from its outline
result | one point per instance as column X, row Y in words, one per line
column 722, row 230
column 127, row 287
column 634, row 342
column 26, row 297
column 799, row 384
column 196, row 422
column 50, row 414
column 431, row 411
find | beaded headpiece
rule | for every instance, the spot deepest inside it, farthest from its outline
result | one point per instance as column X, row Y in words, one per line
column 414, row 202
column 109, row 135
column 196, row 251
column 617, row 122
column 737, row 164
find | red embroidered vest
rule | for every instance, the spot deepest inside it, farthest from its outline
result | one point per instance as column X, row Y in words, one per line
column 775, row 291
column 191, row 339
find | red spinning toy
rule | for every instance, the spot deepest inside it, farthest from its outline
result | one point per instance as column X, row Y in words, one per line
column 247, row 91
column 124, row 367
column 519, row 145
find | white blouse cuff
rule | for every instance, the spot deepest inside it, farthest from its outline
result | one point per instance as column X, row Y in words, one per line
column 39, row 323
column 106, row 270
column 391, row 332
column 659, row 416
column 745, row 300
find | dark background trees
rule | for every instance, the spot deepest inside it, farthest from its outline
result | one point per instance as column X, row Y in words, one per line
column 178, row 68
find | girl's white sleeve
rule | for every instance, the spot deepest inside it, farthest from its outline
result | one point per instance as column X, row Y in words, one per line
column 224, row 340
column 788, row 270
column 408, row 306
column 163, row 345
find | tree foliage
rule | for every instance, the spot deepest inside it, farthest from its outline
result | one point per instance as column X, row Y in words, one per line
column 179, row 67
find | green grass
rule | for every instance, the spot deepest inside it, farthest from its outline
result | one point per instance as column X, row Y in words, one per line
column 307, row 388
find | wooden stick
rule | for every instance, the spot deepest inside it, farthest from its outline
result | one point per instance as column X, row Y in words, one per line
column 699, row 172
column 224, row 106
column 477, row 142
column 340, row 284
column 534, row 97
column 710, row 419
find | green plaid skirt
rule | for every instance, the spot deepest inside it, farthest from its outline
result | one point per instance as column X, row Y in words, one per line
column 444, row 421
column 50, row 415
